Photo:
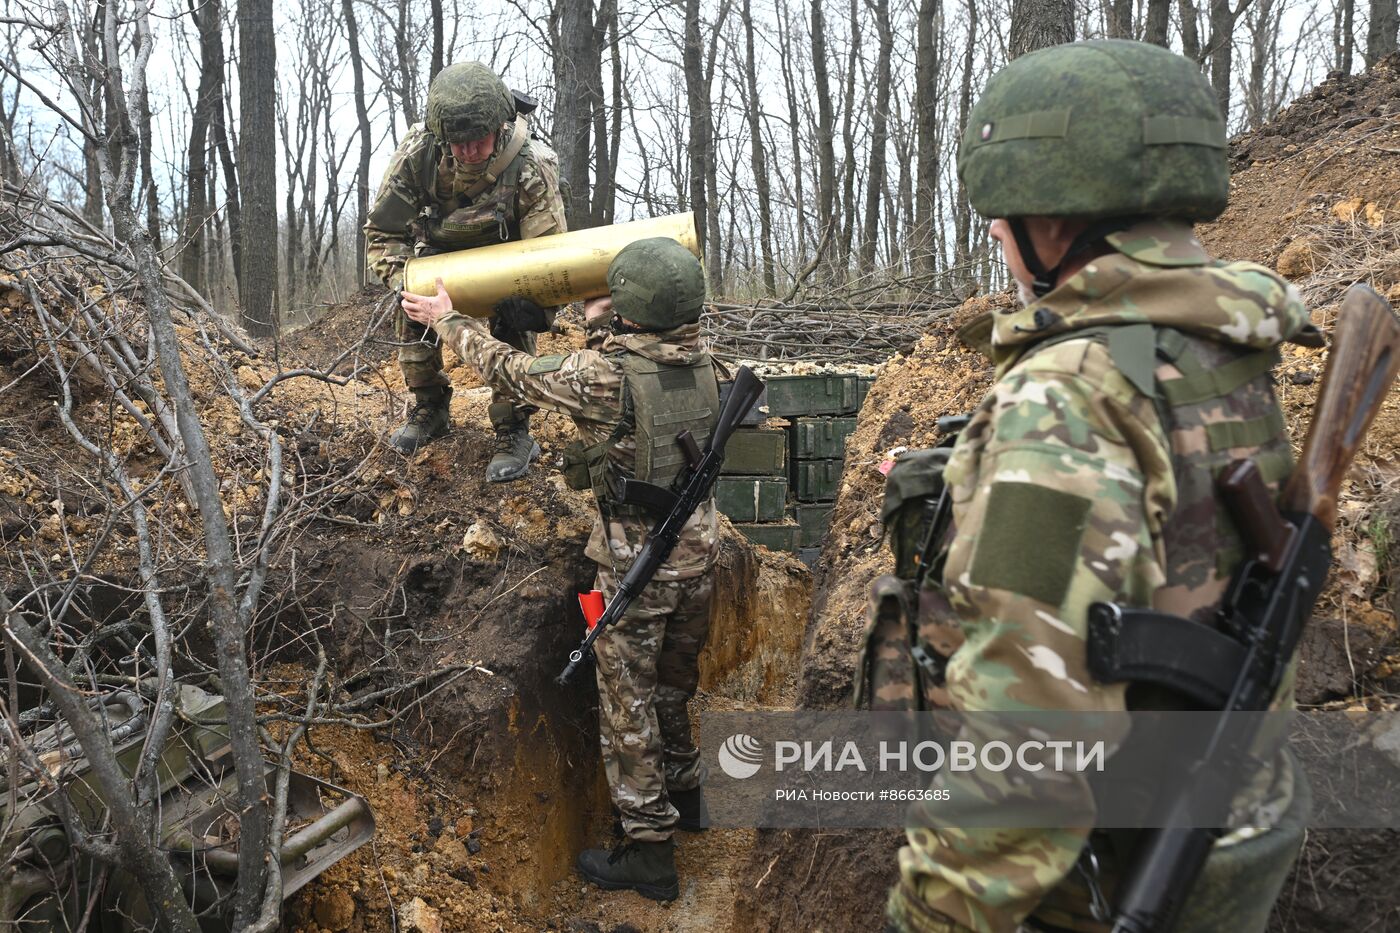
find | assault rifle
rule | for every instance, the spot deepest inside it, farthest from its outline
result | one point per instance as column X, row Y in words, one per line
column 1237, row 666
column 673, row 507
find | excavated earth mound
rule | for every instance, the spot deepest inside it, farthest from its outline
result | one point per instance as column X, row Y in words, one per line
column 484, row 777
column 1315, row 194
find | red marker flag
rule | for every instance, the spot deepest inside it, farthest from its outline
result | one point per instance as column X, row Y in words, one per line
column 592, row 605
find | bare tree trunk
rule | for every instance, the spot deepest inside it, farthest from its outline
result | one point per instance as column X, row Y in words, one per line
column 572, row 25
column 785, row 51
column 362, row 114
column 758, row 158
column 406, row 60
column 962, row 210
column 1037, row 24
column 1382, row 35
column 257, row 147
column 436, row 64
column 1157, row 22
column 208, row 99
column 879, row 135
column 1222, row 48
column 1120, row 19
column 926, row 118
column 848, row 142
column 148, row 180
column 701, row 142
column 826, row 128
column 1344, row 35
column 1190, row 31
column 235, row 198
column 604, row 172
column 92, row 183
column 618, row 108
column 1263, row 47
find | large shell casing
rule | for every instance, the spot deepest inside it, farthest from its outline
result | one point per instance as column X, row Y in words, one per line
column 549, row 270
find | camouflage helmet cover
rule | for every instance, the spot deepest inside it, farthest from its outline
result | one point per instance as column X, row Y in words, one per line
column 657, row 283
column 467, row 101
column 1102, row 129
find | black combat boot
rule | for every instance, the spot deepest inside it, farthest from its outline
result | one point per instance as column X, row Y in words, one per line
column 428, row 419
column 515, row 448
column 649, row 868
column 690, row 804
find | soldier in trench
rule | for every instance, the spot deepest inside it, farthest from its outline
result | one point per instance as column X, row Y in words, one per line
column 469, row 176
column 629, row 395
column 1135, row 370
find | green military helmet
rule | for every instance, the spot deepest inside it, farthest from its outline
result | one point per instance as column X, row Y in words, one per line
column 466, row 102
column 1102, row 129
column 657, row 283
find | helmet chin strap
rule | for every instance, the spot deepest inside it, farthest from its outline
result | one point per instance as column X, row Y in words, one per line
column 1044, row 280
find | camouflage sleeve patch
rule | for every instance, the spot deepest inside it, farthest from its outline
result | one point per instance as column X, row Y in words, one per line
column 546, row 364
column 1030, row 541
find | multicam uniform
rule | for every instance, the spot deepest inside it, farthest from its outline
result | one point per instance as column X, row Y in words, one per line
column 1087, row 474
column 423, row 207
column 647, row 662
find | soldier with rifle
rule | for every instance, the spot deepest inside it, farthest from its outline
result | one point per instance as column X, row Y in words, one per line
column 649, row 382
column 471, row 175
column 1128, row 455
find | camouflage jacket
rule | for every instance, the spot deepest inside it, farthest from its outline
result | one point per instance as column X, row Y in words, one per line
column 1065, row 491
column 406, row 192
column 587, row 387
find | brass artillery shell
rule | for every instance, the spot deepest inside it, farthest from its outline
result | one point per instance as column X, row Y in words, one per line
column 550, row 271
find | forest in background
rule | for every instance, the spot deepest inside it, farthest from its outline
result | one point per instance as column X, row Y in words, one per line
column 815, row 140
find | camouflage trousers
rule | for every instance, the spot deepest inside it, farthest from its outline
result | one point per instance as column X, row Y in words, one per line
column 420, row 357
column 648, row 668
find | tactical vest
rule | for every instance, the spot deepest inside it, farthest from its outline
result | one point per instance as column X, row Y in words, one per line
column 486, row 213
column 659, row 401
column 1216, row 404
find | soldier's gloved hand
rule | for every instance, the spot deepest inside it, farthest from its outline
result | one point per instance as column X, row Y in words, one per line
column 519, row 315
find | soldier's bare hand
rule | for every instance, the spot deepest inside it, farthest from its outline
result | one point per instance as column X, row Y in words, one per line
column 597, row 310
column 428, row 309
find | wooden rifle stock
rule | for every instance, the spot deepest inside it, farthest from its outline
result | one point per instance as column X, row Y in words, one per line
column 1361, row 367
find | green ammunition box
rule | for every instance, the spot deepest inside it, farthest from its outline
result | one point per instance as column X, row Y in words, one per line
column 863, row 384
column 816, row 480
column 809, row 555
column 752, row 499
column 814, row 519
column 757, row 414
column 774, row 537
column 794, row 396
column 820, row 438
column 755, row 452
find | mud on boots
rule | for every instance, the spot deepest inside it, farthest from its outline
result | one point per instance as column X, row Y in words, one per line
column 426, row 420
column 515, row 448
column 649, row 868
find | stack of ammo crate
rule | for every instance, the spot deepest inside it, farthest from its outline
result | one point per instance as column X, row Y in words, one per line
column 778, row 485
